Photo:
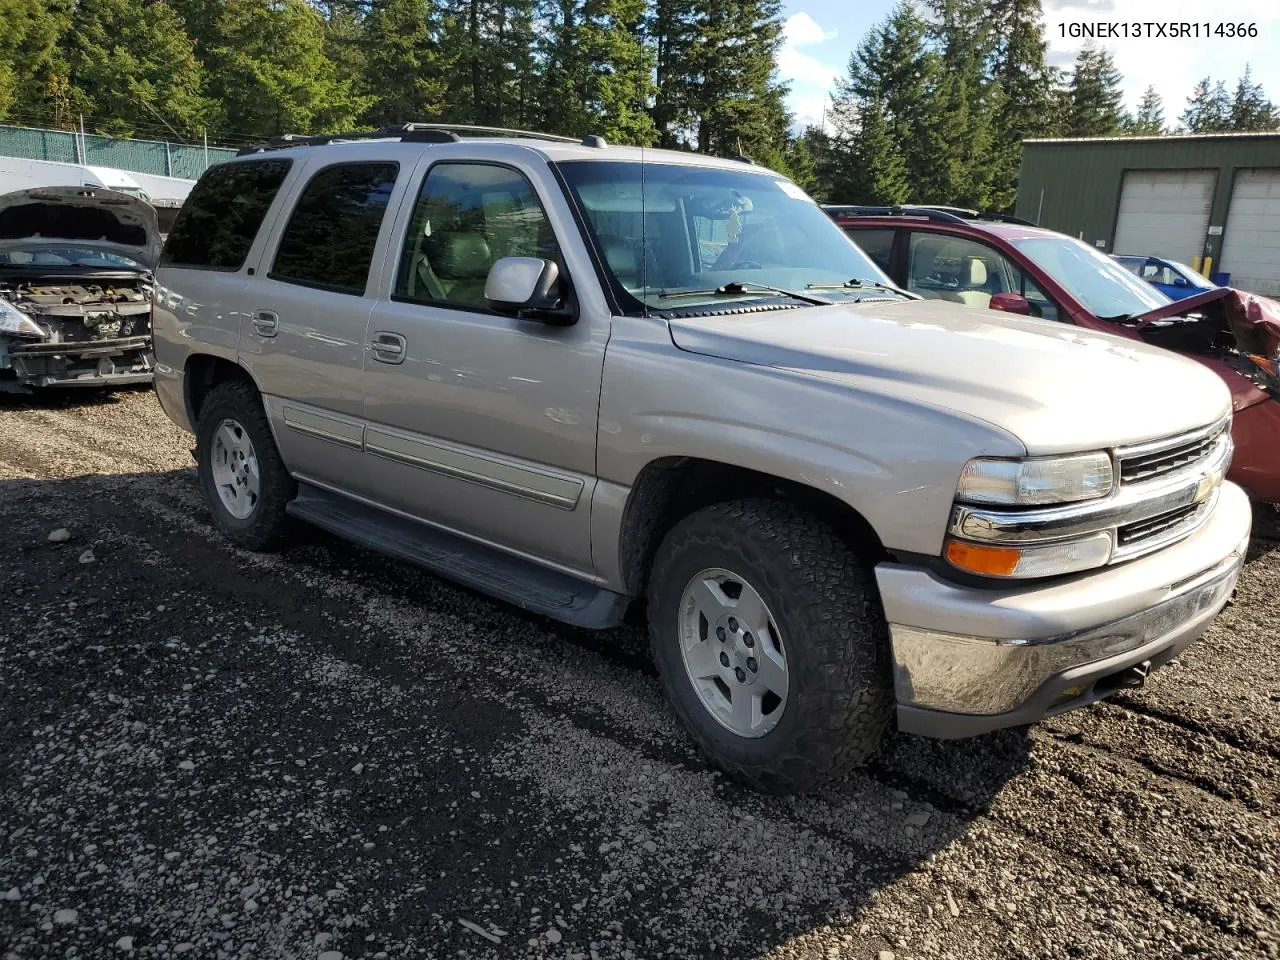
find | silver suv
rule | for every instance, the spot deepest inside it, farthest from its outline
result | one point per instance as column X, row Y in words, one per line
column 588, row 379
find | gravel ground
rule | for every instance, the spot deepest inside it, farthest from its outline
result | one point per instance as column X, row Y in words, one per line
column 324, row 754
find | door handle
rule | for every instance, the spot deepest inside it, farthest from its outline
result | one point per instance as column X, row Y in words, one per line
column 388, row 347
column 266, row 323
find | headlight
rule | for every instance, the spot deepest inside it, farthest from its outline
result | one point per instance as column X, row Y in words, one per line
column 1036, row 481
column 14, row 321
column 1030, row 560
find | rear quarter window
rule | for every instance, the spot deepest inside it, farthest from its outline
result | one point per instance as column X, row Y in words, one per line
column 219, row 219
column 876, row 244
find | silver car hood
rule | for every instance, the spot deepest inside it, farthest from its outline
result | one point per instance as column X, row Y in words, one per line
column 1055, row 387
column 89, row 217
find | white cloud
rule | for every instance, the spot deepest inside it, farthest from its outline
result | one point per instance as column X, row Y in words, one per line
column 811, row 77
column 1171, row 65
column 801, row 30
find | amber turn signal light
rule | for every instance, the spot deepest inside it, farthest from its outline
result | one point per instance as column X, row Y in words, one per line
column 983, row 560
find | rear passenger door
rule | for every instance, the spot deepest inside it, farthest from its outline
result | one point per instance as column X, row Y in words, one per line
column 306, row 315
column 481, row 423
column 206, row 261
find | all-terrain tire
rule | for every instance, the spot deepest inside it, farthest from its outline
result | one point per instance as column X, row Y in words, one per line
column 825, row 605
column 266, row 526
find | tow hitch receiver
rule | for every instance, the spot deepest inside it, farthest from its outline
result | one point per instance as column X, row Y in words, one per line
column 1135, row 677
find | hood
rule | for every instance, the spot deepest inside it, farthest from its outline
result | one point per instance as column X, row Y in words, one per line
column 1057, row 388
column 90, row 217
column 1254, row 321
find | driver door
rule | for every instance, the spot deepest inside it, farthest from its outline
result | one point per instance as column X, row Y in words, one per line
column 480, row 423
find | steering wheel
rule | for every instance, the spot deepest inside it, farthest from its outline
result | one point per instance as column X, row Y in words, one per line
column 747, row 265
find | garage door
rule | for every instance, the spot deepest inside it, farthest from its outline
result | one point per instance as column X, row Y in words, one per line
column 1251, row 246
column 1164, row 213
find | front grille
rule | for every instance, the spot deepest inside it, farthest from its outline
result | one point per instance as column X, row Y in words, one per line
column 1133, row 533
column 1149, row 461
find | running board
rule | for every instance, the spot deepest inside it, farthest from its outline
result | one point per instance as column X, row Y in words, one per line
column 510, row 579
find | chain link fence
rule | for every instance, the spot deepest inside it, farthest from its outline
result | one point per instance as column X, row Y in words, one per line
column 140, row 156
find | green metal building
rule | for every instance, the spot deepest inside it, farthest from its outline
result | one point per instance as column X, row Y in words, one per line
column 1211, row 201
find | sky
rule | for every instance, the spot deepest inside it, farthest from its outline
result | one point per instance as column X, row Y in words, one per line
column 821, row 34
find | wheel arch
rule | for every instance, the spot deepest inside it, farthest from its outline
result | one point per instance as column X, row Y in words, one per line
column 204, row 371
column 670, row 488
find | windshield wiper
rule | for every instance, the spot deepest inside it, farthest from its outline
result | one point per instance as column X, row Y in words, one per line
column 739, row 287
column 863, row 284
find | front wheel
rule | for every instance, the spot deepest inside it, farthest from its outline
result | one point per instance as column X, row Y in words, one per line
column 771, row 644
column 240, row 469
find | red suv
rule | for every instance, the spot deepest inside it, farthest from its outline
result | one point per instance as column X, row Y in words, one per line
column 996, row 262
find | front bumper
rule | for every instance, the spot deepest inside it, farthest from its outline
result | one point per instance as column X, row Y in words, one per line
column 967, row 661
column 89, row 363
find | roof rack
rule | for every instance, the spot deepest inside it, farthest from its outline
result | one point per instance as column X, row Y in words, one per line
column 928, row 211
column 414, row 133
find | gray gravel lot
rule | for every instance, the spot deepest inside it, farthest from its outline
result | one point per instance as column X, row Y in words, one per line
column 325, row 754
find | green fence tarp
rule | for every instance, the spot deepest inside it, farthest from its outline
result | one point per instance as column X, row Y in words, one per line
column 140, row 156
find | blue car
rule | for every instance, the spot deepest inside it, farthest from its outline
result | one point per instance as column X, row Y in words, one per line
column 1175, row 280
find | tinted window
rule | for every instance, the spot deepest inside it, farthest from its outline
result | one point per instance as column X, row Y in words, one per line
column 467, row 217
column 330, row 237
column 221, row 216
column 876, row 244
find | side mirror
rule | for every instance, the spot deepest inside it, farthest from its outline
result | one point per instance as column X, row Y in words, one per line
column 1181, row 282
column 528, row 288
column 1010, row 303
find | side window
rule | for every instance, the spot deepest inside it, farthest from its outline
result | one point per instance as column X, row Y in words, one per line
column 222, row 214
column 331, row 234
column 965, row 271
column 1041, row 304
column 876, row 244
column 469, row 215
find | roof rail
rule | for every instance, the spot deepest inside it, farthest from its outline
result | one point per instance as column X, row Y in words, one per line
column 928, row 213
column 1005, row 218
column 412, row 133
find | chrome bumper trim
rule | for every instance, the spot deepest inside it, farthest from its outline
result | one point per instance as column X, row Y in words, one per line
column 978, row 675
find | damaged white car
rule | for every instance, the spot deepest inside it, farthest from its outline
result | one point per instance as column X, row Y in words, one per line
column 75, row 288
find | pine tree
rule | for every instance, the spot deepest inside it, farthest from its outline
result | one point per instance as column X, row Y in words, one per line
column 28, row 44
column 879, row 171
column 404, row 67
column 1149, row 120
column 493, row 73
column 963, row 106
column 133, row 63
column 1094, row 98
column 891, row 68
column 596, row 70
column 672, row 31
column 737, row 103
column 1208, row 108
column 266, row 68
column 1026, row 83
column 1251, row 111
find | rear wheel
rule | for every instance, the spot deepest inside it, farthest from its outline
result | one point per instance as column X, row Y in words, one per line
column 771, row 644
column 240, row 469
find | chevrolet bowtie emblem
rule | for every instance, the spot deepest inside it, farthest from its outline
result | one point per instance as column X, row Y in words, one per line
column 1208, row 483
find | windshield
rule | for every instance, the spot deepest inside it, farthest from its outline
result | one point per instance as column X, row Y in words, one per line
column 86, row 257
column 696, row 236
column 1104, row 287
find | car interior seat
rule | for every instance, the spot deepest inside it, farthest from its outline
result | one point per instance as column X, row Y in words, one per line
column 461, row 261
column 974, row 280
